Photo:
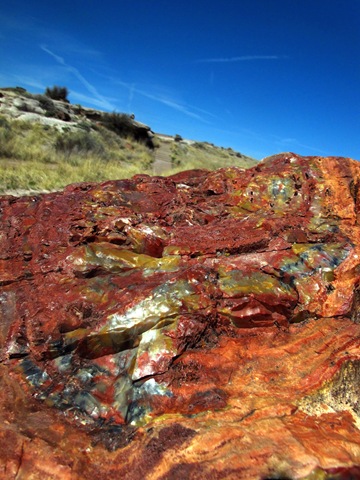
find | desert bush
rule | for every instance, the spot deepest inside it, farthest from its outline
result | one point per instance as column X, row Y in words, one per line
column 175, row 154
column 78, row 143
column 200, row 145
column 57, row 93
column 6, row 138
column 4, row 122
column 120, row 123
column 84, row 125
column 47, row 104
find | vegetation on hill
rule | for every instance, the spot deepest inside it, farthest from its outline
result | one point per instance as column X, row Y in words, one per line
column 39, row 157
column 186, row 156
column 47, row 143
column 57, row 93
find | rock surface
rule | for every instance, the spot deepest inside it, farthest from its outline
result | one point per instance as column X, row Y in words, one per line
column 204, row 325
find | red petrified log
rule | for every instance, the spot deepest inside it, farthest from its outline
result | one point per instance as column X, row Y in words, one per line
column 204, row 325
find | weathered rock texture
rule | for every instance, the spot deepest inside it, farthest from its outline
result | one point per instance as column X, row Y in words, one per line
column 204, row 325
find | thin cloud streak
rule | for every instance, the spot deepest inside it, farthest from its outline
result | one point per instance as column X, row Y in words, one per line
column 88, row 100
column 172, row 104
column 165, row 101
column 131, row 96
column 101, row 100
column 244, row 58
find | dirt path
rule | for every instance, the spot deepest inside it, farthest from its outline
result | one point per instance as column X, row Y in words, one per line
column 162, row 163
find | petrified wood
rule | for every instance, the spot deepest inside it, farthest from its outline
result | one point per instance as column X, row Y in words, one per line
column 204, row 325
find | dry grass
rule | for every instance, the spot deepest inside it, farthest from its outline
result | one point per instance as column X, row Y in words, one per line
column 35, row 156
column 205, row 155
column 40, row 157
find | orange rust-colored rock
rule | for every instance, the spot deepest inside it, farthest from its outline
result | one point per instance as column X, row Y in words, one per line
column 204, row 325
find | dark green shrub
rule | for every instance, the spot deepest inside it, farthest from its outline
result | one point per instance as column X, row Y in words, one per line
column 6, row 138
column 178, row 138
column 4, row 122
column 120, row 123
column 78, row 109
column 123, row 125
column 47, row 104
column 83, row 125
column 200, row 145
column 78, row 143
column 57, row 93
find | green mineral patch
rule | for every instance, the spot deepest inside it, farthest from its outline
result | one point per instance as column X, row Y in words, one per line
column 281, row 191
column 112, row 258
column 102, row 213
column 237, row 284
column 176, row 250
column 123, row 330
column 249, row 199
column 277, row 191
column 245, row 205
column 155, row 351
column 164, row 302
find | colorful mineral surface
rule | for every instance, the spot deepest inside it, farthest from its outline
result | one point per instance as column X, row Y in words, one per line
column 204, row 325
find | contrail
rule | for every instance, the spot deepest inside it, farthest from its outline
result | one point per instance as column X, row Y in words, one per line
column 165, row 101
column 244, row 58
column 131, row 96
column 78, row 75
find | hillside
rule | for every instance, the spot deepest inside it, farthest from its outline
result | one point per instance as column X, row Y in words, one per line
column 46, row 144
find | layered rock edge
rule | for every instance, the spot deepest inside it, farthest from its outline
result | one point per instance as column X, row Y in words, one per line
column 203, row 325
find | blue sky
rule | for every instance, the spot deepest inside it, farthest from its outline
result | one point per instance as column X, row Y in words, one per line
column 260, row 76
